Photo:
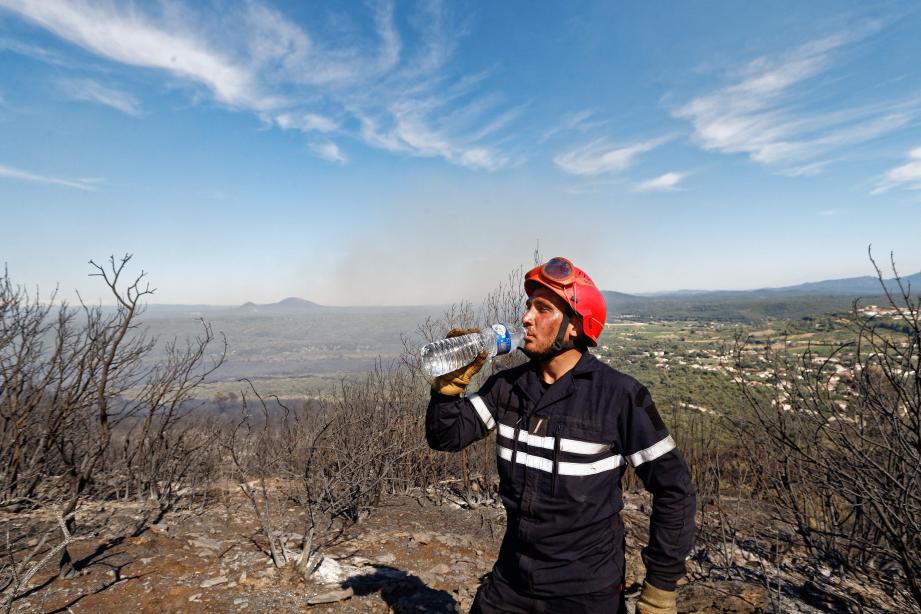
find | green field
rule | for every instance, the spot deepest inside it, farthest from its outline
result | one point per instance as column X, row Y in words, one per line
column 692, row 366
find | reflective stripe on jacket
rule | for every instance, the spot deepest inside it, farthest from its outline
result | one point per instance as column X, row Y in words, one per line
column 561, row 451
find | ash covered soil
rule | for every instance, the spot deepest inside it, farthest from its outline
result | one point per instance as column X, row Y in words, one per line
column 409, row 555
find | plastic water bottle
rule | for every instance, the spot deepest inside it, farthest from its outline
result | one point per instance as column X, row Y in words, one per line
column 440, row 357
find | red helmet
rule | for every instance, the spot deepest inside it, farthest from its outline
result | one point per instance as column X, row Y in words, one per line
column 576, row 288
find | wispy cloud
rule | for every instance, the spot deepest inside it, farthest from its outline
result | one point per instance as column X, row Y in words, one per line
column 306, row 122
column 906, row 176
column 663, row 183
column 805, row 170
column 601, row 156
column 92, row 91
column 363, row 83
column 580, row 121
column 125, row 35
column 430, row 127
column 765, row 111
column 9, row 172
column 328, row 151
column 32, row 51
column 591, row 186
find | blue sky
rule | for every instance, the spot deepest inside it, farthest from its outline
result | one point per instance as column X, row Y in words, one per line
column 384, row 153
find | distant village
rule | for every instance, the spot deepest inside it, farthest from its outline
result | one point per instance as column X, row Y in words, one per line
column 676, row 348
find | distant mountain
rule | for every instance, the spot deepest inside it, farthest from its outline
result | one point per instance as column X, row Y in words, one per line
column 850, row 286
column 293, row 302
column 802, row 300
column 288, row 305
column 621, row 303
column 611, row 296
column 866, row 285
column 674, row 293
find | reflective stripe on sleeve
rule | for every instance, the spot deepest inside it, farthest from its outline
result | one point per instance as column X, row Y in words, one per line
column 652, row 452
column 566, row 445
column 480, row 406
column 546, row 464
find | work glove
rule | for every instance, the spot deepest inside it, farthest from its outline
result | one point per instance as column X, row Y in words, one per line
column 656, row 601
column 453, row 384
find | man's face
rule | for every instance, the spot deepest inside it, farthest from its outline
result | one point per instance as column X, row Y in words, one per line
column 542, row 320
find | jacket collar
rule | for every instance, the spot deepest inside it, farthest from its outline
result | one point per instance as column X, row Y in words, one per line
column 530, row 384
column 586, row 366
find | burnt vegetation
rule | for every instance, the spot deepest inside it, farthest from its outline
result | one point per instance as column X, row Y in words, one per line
column 810, row 484
column 835, row 446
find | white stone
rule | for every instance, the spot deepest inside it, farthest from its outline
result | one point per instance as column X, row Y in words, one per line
column 331, row 596
column 329, row 571
column 387, row 558
column 213, row 582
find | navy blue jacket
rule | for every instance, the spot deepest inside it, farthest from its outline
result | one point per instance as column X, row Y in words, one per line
column 561, row 452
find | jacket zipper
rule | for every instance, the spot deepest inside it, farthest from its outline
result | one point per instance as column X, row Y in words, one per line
column 556, row 459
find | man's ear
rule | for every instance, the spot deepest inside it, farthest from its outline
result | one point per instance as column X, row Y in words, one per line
column 573, row 330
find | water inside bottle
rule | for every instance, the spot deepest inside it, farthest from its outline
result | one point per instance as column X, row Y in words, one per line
column 448, row 355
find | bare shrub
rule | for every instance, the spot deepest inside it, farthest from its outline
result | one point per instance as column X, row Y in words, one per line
column 83, row 414
column 835, row 444
column 73, row 381
column 335, row 459
column 338, row 457
column 471, row 475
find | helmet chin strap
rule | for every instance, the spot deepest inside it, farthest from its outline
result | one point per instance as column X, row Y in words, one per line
column 558, row 347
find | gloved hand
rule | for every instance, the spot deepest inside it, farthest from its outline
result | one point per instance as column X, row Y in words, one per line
column 453, row 384
column 656, row 601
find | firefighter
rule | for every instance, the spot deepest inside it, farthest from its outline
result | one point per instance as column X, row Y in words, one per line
column 567, row 425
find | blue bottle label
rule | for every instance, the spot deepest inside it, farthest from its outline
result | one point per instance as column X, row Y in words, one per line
column 503, row 339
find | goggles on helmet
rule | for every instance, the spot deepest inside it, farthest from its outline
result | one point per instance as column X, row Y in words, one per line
column 558, row 272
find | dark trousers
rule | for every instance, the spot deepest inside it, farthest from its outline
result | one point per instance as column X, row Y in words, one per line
column 496, row 595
